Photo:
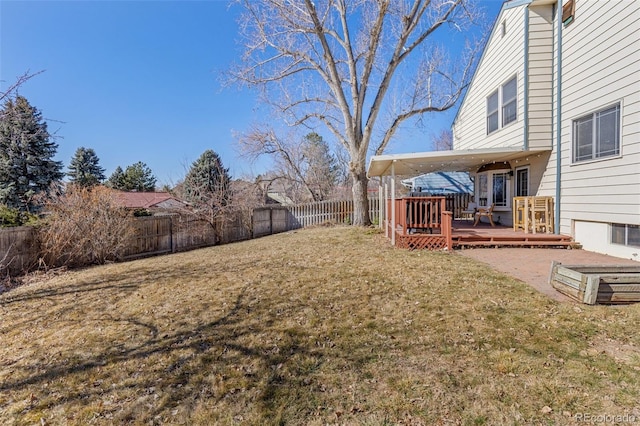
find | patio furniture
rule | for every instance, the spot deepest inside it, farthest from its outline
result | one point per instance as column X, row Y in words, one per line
column 519, row 213
column 470, row 211
column 541, row 214
column 486, row 212
column 533, row 214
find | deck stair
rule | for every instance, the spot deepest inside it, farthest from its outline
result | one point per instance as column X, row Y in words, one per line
column 521, row 240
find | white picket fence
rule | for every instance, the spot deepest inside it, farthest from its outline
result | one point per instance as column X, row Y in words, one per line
column 339, row 212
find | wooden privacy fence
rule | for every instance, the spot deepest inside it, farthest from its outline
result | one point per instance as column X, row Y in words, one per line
column 172, row 233
column 153, row 235
column 456, row 203
column 18, row 249
column 271, row 220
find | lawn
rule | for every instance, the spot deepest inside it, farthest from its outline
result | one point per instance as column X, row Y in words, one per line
column 319, row 326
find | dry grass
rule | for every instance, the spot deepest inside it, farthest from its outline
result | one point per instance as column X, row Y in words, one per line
column 320, row 326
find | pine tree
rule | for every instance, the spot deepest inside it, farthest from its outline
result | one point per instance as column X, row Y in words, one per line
column 84, row 169
column 139, row 177
column 207, row 182
column 136, row 177
column 116, row 180
column 320, row 167
column 26, row 155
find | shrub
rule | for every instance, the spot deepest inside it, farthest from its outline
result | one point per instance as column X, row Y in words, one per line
column 14, row 217
column 84, row 226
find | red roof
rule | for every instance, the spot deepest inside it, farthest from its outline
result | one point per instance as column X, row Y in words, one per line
column 145, row 200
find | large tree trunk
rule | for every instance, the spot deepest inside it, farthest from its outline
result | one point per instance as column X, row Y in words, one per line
column 360, row 197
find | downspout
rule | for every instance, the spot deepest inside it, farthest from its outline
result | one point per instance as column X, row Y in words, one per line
column 558, row 122
column 526, row 79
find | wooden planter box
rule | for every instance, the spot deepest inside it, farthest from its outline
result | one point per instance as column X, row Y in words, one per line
column 591, row 284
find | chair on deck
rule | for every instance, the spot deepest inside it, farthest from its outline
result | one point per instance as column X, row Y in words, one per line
column 470, row 211
column 485, row 212
column 542, row 214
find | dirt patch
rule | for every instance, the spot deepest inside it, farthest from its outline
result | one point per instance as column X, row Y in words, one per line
column 627, row 353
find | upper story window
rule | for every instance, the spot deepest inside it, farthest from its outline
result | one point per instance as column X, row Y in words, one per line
column 492, row 112
column 510, row 101
column 597, row 135
column 502, row 106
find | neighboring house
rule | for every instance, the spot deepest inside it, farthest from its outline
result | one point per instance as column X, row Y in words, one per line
column 553, row 110
column 154, row 202
column 441, row 183
column 274, row 197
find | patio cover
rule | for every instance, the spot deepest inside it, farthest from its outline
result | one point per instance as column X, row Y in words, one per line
column 443, row 161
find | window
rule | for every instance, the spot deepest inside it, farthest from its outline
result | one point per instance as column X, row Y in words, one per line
column 482, row 190
column 628, row 235
column 597, row 135
column 502, row 106
column 492, row 112
column 493, row 188
column 500, row 198
column 522, row 182
column 509, row 101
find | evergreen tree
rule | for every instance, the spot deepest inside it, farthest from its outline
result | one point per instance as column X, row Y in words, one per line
column 136, row 177
column 84, row 169
column 139, row 177
column 116, row 180
column 26, row 154
column 207, row 182
column 320, row 168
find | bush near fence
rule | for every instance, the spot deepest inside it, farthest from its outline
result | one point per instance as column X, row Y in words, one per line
column 173, row 233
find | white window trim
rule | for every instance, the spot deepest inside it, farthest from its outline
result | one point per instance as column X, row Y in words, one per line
column 495, row 111
column 509, row 186
column 501, row 104
column 626, row 236
column 515, row 177
column 513, row 100
column 575, row 162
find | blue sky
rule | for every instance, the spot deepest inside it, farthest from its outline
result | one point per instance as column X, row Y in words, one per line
column 140, row 80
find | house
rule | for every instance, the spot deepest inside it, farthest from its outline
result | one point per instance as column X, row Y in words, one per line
column 440, row 183
column 553, row 110
column 154, row 202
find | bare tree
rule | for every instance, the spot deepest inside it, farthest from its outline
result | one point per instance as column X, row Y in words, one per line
column 304, row 167
column 340, row 63
column 245, row 196
column 206, row 187
column 84, row 226
column 6, row 93
column 444, row 141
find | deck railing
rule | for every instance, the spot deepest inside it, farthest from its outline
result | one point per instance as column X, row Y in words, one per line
column 420, row 222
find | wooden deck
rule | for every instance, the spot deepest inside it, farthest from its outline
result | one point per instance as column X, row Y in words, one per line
column 464, row 234
column 424, row 223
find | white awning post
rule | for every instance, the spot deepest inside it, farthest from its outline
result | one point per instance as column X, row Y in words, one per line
column 393, row 203
column 386, row 210
column 380, row 202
